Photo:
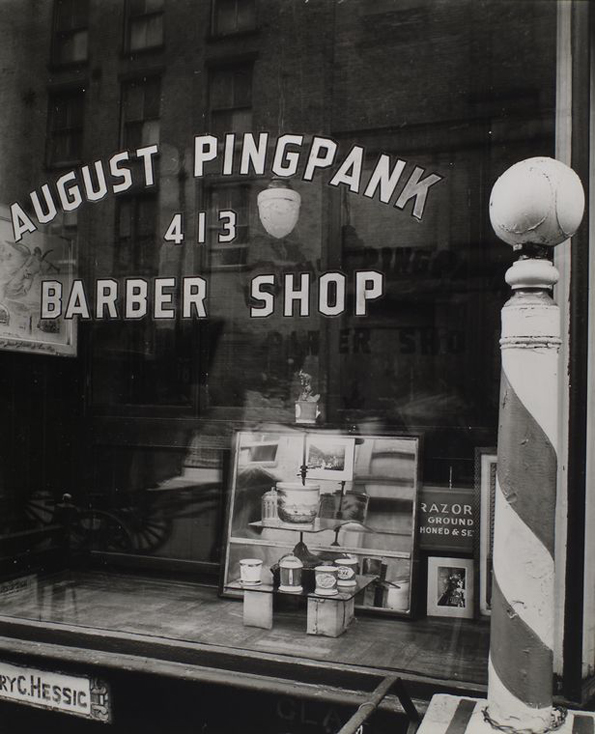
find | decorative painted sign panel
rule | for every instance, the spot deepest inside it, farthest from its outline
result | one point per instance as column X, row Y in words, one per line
column 447, row 519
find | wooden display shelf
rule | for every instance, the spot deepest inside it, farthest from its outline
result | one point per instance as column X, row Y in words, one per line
column 326, row 615
column 319, row 525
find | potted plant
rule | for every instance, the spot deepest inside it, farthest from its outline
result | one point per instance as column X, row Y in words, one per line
column 306, row 406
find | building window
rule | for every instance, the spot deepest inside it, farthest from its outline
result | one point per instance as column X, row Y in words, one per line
column 230, row 100
column 71, row 34
column 136, row 251
column 65, row 136
column 233, row 16
column 141, row 105
column 145, row 24
column 228, row 198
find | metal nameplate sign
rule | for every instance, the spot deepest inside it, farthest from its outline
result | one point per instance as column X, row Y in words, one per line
column 77, row 695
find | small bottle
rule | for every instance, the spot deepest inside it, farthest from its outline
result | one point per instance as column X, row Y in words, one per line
column 269, row 506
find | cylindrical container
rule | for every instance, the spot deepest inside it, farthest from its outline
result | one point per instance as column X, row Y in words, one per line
column 250, row 571
column 346, row 572
column 290, row 572
column 397, row 595
column 269, row 506
column 326, row 580
column 306, row 412
column 298, row 503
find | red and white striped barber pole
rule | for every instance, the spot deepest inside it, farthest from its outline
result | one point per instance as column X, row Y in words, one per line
column 535, row 205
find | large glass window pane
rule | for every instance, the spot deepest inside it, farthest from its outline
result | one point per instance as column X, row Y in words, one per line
column 403, row 114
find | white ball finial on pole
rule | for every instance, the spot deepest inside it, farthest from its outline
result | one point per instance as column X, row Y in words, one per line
column 539, row 201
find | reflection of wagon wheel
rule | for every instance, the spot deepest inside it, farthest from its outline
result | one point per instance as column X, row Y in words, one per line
column 99, row 531
column 148, row 532
column 40, row 507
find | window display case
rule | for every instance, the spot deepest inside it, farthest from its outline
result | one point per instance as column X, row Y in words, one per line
column 323, row 497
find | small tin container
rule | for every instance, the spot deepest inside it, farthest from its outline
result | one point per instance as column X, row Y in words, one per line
column 346, row 572
column 290, row 573
column 326, row 580
column 250, row 571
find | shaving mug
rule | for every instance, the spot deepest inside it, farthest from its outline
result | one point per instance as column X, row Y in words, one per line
column 250, row 570
column 326, row 580
column 346, row 571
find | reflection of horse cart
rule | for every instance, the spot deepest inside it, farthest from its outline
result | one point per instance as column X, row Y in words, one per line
column 143, row 524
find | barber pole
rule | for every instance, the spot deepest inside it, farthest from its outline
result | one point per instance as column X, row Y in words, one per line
column 522, row 625
column 535, row 205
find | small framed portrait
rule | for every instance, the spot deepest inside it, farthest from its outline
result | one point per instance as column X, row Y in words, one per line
column 330, row 457
column 450, row 587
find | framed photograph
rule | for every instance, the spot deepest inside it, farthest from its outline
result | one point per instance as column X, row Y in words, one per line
column 23, row 266
column 369, row 514
column 262, row 451
column 485, row 493
column 330, row 458
column 450, row 587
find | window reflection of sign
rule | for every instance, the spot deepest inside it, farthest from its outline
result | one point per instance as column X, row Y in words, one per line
column 446, row 519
